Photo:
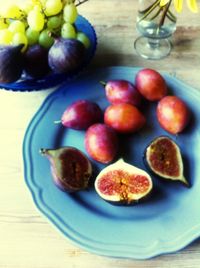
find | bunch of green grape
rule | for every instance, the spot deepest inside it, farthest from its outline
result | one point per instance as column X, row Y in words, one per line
column 39, row 22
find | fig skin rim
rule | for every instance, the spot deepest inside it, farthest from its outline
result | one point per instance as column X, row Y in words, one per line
column 61, row 183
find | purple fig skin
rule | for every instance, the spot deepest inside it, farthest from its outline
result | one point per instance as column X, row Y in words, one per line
column 12, row 63
column 122, row 91
column 81, row 114
column 66, row 55
column 70, row 168
column 101, row 143
column 36, row 61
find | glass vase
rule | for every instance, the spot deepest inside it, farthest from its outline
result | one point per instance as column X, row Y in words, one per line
column 156, row 24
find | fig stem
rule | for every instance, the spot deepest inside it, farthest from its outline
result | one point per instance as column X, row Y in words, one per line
column 185, row 181
column 57, row 121
column 102, row 83
column 42, row 151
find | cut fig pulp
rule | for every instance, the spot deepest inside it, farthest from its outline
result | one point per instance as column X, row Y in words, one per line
column 70, row 168
column 123, row 183
column 163, row 158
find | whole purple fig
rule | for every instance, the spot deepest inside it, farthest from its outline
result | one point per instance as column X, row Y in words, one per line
column 36, row 61
column 66, row 55
column 11, row 66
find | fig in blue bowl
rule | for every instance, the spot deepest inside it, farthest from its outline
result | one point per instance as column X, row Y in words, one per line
column 43, row 26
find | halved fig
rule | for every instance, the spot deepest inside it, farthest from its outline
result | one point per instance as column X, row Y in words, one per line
column 123, row 183
column 70, row 168
column 163, row 158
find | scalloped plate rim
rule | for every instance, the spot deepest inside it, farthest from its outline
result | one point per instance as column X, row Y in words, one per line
column 158, row 248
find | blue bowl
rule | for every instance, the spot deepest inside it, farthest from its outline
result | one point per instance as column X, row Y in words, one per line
column 53, row 79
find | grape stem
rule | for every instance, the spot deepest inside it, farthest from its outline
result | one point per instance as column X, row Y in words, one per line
column 80, row 2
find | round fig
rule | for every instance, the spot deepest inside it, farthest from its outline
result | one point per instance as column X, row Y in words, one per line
column 66, row 55
column 123, row 183
column 12, row 63
column 71, row 169
column 163, row 158
column 36, row 61
column 101, row 143
column 81, row 114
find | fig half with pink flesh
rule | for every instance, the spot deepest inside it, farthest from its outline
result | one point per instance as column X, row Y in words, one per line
column 163, row 157
column 71, row 169
column 123, row 183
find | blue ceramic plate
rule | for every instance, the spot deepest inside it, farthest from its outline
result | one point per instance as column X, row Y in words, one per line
column 167, row 222
column 52, row 79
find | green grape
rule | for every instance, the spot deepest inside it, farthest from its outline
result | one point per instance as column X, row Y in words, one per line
column 5, row 37
column 3, row 25
column 17, row 26
column 53, row 7
column 45, row 39
column 54, row 22
column 68, row 1
column 26, row 6
column 70, row 13
column 20, row 38
column 35, row 20
column 68, row 30
column 32, row 36
column 43, row 2
column 82, row 37
column 11, row 11
column 38, row 8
